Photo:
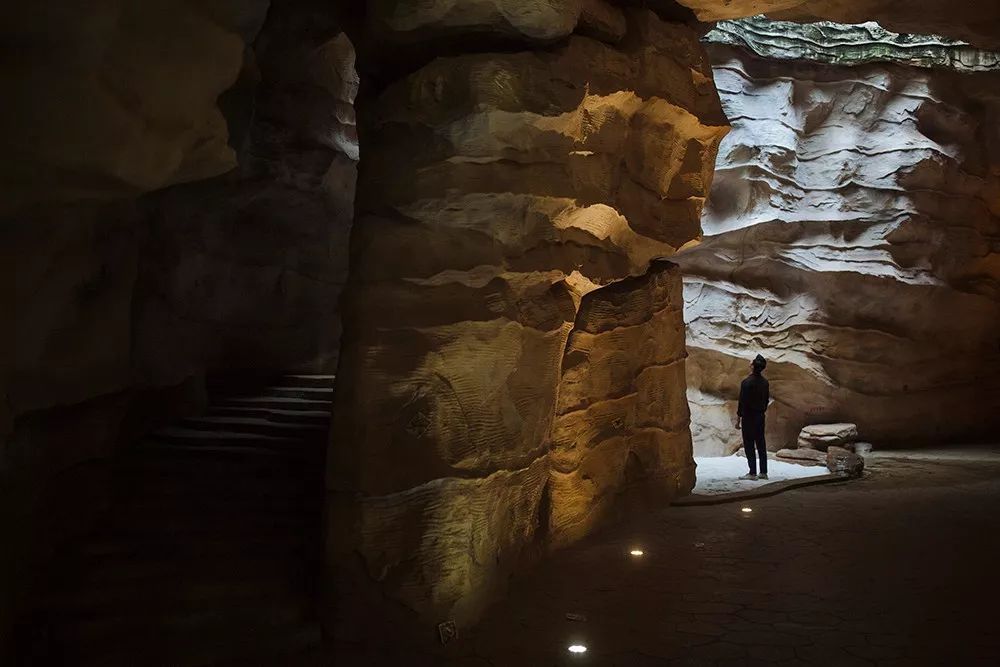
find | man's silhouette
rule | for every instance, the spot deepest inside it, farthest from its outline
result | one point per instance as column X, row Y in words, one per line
column 754, row 395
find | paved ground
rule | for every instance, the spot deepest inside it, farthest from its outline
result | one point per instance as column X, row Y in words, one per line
column 899, row 568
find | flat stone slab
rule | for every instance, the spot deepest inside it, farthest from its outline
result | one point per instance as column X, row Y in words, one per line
column 770, row 489
column 811, row 456
column 821, row 436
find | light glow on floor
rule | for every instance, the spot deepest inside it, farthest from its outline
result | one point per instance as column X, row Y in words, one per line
column 637, row 552
column 747, row 510
column 577, row 648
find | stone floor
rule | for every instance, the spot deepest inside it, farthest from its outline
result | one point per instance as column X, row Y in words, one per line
column 898, row 568
column 721, row 474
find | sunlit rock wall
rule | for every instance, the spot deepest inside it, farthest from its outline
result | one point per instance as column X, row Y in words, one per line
column 511, row 363
column 852, row 239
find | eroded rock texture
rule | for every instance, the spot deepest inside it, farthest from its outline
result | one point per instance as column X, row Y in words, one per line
column 501, row 304
column 853, row 232
column 841, row 44
column 969, row 20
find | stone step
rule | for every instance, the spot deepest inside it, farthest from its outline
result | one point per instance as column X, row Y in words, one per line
column 110, row 546
column 130, row 565
column 317, row 417
column 188, row 434
column 232, row 525
column 274, row 402
column 154, row 459
column 308, row 393
column 240, row 491
column 253, row 425
column 184, row 590
column 309, row 380
column 250, row 644
column 204, row 513
column 248, row 493
column 212, row 551
column 235, row 448
column 194, row 637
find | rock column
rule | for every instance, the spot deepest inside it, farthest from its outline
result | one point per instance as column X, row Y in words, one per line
column 512, row 361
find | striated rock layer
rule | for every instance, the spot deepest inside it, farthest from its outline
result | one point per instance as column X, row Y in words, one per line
column 842, row 44
column 511, row 364
column 970, row 20
column 853, row 237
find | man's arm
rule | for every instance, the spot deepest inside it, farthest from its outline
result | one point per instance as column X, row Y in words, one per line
column 739, row 408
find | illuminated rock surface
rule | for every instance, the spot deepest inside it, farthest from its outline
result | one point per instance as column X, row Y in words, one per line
column 852, row 231
column 507, row 344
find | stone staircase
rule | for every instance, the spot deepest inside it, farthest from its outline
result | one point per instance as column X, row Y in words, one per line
column 211, row 552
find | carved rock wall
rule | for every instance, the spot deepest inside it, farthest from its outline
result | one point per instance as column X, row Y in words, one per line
column 852, row 237
column 124, row 294
column 504, row 332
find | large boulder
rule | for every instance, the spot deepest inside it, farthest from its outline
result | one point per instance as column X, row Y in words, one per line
column 821, row 436
column 844, row 462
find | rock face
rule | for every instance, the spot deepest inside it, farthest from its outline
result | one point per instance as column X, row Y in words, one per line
column 822, row 436
column 511, row 364
column 840, row 44
column 974, row 22
column 852, row 237
column 122, row 304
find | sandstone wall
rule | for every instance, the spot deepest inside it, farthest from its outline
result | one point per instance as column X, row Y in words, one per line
column 852, row 238
column 128, row 284
column 512, row 365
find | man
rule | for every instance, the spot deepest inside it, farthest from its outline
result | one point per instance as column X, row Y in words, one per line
column 754, row 395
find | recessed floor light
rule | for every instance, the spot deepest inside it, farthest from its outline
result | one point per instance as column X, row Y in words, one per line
column 577, row 648
column 746, row 510
column 637, row 552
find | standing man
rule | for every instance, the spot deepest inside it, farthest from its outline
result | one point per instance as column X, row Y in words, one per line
column 754, row 396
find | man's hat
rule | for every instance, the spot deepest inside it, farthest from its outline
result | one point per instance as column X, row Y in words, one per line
column 759, row 362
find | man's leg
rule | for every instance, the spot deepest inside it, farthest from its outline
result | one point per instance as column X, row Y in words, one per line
column 761, row 447
column 748, row 446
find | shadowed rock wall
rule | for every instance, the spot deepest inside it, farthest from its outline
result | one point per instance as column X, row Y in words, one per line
column 127, row 287
column 511, row 364
column 852, row 238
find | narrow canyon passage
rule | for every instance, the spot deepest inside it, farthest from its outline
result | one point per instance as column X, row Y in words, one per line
column 536, row 242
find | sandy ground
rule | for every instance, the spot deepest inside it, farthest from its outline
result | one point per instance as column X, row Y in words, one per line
column 721, row 474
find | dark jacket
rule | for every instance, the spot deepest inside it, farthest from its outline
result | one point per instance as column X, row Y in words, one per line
column 754, row 395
